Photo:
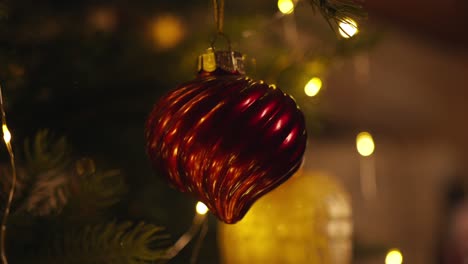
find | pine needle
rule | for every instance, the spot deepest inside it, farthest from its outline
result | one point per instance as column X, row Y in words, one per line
column 44, row 184
column 111, row 243
column 49, row 194
column 80, row 193
column 336, row 11
column 46, row 152
column 94, row 190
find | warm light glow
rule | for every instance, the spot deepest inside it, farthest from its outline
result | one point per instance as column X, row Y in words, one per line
column 394, row 256
column 201, row 208
column 312, row 210
column 6, row 134
column 365, row 144
column 167, row 31
column 286, row 6
column 313, row 87
column 103, row 19
column 348, row 28
column 16, row 70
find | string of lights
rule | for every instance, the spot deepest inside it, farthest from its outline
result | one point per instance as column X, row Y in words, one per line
column 347, row 28
column 7, row 139
column 200, row 222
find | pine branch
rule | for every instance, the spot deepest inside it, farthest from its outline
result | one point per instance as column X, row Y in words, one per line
column 46, row 152
column 42, row 182
column 109, row 243
column 336, row 11
column 49, row 194
column 93, row 191
column 43, row 186
column 6, row 180
column 48, row 183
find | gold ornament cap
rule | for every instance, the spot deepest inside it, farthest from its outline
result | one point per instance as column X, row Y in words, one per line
column 227, row 61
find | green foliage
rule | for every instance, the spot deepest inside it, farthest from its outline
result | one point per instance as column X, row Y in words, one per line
column 45, row 152
column 109, row 243
column 336, row 11
column 94, row 191
column 62, row 212
column 51, row 183
column 43, row 183
column 48, row 195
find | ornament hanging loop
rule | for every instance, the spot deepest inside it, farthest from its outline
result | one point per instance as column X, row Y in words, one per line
column 218, row 8
column 221, row 35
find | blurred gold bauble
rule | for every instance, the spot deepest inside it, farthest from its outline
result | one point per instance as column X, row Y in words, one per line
column 305, row 220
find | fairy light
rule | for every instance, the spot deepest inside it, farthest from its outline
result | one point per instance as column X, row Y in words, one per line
column 201, row 208
column 394, row 256
column 365, row 144
column 286, row 6
column 312, row 88
column 348, row 28
column 7, row 138
column 6, row 134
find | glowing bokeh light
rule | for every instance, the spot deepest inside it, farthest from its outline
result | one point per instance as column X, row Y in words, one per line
column 394, row 256
column 167, row 31
column 16, row 70
column 306, row 220
column 348, row 28
column 103, row 19
column 201, row 208
column 312, row 88
column 286, row 6
column 365, row 144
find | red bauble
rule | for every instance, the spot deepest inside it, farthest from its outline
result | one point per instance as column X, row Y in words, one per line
column 226, row 139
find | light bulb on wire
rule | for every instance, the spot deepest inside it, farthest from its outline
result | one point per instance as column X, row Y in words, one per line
column 201, row 208
column 348, row 28
column 286, row 6
column 365, row 144
column 6, row 134
column 312, row 88
column 394, row 256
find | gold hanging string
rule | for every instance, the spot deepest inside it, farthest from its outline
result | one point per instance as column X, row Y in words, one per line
column 218, row 14
column 6, row 213
column 218, row 8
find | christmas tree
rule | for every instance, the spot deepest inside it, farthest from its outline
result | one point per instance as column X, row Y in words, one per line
column 79, row 81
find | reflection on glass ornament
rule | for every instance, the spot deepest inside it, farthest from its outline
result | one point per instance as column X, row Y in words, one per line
column 306, row 220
